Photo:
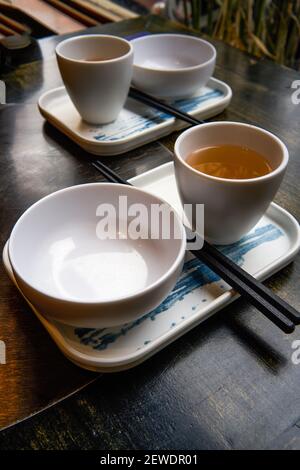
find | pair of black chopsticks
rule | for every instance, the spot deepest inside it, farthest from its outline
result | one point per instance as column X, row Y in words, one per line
column 274, row 308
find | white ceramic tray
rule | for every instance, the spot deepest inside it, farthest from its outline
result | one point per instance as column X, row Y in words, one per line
column 198, row 294
column 137, row 123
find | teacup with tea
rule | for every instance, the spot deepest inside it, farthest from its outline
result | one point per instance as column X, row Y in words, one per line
column 234, row 169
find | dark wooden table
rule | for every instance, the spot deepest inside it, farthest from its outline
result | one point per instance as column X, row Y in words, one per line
column 228, row 384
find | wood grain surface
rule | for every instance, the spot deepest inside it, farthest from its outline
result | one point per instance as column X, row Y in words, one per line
column 228, row 384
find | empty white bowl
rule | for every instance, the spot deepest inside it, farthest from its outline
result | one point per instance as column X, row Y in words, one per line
column 74, row 277
column 172, row 66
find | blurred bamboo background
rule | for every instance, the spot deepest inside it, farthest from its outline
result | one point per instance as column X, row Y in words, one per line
column 262, row 27
column 268, row 28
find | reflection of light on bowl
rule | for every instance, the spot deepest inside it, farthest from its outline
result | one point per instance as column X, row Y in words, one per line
column 172, row 65
column 74, row 277
column 94, row 274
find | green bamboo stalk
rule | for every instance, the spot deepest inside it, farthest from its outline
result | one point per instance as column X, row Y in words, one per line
column 250, row 23
column 294, row 37
column 237, row 26
column 244, row 25
column 272, row 14
column 262, row 27
column 283, row 32
column 259, row 20
column 210, row 8
column 186, row 14
column 231, row 18
column 196, row 14
column 220, row 30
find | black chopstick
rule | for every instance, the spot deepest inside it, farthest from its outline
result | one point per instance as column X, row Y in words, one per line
column 243, row 287
column 109, row 174
column 162, row 106
column 289, row 311
column 274, row 308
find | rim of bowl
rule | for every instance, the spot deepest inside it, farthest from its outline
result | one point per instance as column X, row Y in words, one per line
column 182, row 69
column 93, row 62
column 162, row 278
column 274, row 172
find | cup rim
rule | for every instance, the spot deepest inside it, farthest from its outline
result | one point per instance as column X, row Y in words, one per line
column 88, row 36
column 182, row 69
column 281, row 167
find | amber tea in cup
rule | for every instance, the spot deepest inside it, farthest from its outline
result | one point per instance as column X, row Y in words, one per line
column 229, row 162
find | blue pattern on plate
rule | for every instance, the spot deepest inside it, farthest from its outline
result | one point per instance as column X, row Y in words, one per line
column 194, row 276
column 133, row 122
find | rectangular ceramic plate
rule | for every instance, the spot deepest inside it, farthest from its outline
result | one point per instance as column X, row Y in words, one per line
column 137, row 123
column 198, row 294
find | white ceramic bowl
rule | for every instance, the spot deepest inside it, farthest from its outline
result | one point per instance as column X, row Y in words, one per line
column 74, row 277
column 172, row 66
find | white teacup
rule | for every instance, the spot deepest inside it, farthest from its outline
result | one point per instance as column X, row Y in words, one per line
column 232, row 207
column 96, row 70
